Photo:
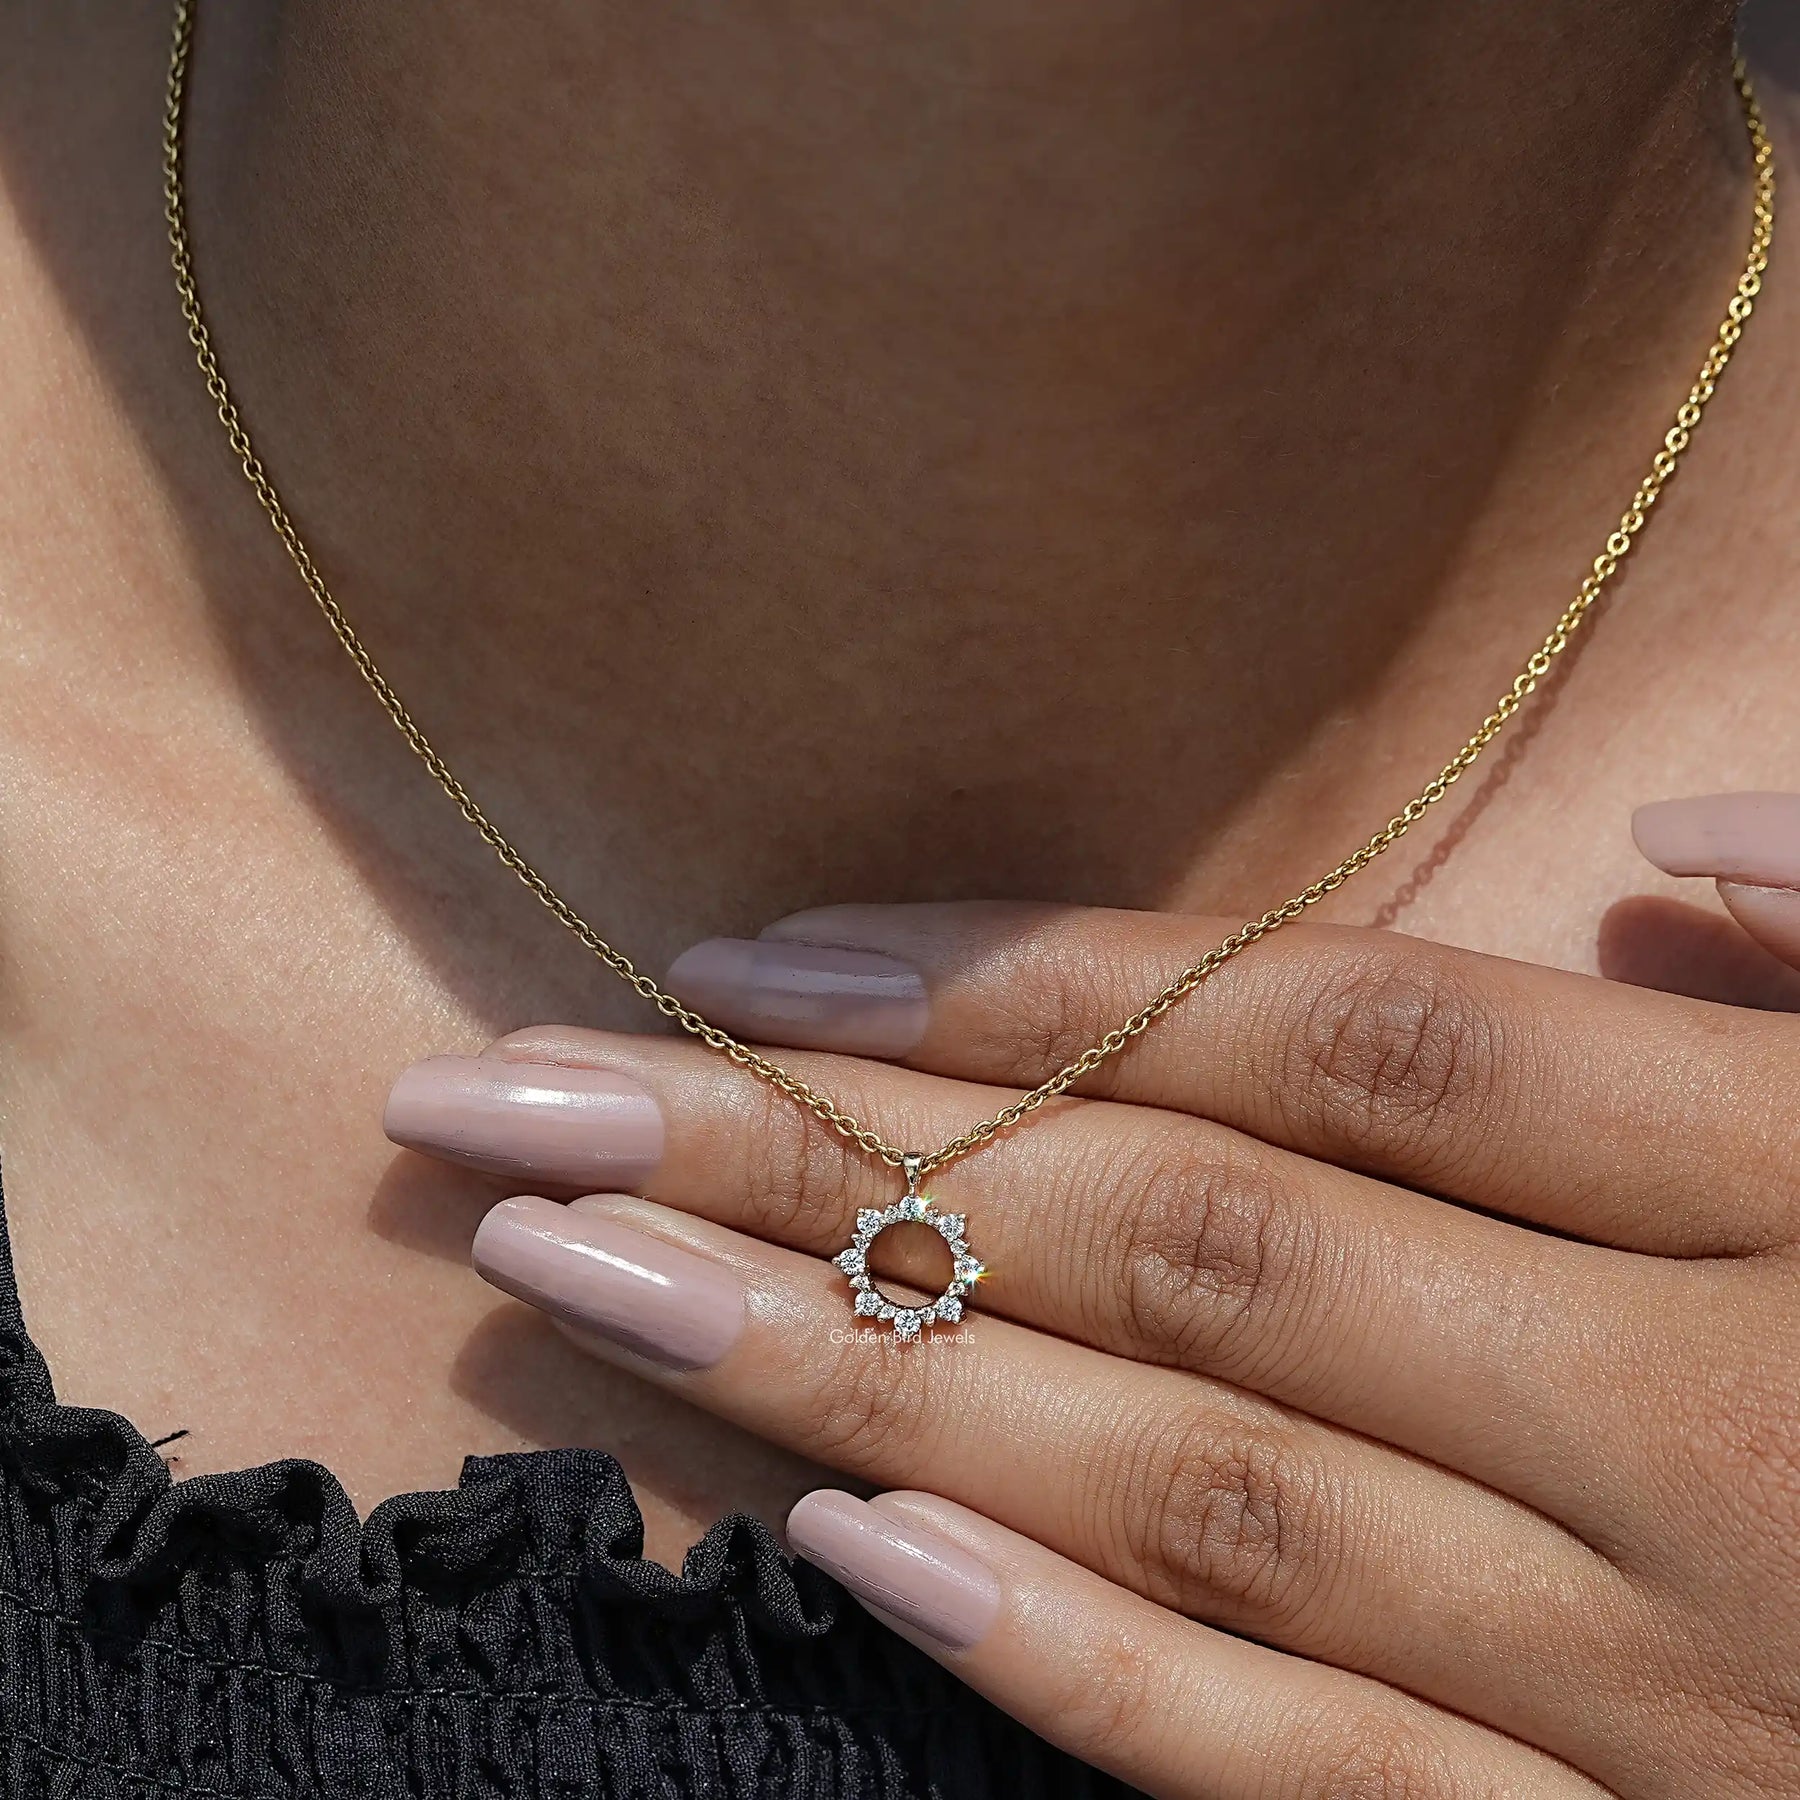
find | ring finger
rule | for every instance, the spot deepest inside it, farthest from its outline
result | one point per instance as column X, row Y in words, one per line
column 1207, row 1500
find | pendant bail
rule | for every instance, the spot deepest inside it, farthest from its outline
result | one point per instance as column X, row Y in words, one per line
column 913, row 1167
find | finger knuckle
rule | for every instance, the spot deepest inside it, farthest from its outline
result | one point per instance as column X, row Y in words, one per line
column 1370, row 1755
column 1232, row 1524
column 1041, row 1019
column 1739, row 1431
column 1105, row 1705
column 1060, row 990
column 793, row 1178
column 877, row 1408
column 1755, row 1730
column 1211, row 1247
column 1392, row 1050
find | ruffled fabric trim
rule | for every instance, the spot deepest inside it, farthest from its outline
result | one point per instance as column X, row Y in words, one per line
column 248, row 1637
column 568, row 1515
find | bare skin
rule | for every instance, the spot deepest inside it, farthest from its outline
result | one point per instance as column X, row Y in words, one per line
column 1067, row 463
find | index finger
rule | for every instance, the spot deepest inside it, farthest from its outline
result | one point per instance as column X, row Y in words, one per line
column 1641, row 1120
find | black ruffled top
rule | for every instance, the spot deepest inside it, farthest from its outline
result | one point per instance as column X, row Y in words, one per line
column 248, row 1637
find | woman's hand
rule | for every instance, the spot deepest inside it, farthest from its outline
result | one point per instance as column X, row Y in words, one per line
column 1389, row 1383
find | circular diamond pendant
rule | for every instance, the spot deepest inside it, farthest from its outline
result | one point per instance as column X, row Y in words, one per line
column 871, row 1303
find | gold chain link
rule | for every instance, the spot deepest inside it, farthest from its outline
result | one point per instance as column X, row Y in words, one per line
column 1525, row 683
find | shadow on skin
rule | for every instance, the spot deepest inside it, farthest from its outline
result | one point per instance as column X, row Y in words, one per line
column 433, row 1207
column 519, row 1370
column 1653, row 942
column 1491, row 776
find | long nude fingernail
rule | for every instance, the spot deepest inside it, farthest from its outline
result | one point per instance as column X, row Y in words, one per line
column 1771, row 915
column 1751, row 839
column 814, row 996
column 586, row 1128
column 924, row 1580
column 648, row 1296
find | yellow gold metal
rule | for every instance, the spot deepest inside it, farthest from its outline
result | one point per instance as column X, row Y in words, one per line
column 916, row 1167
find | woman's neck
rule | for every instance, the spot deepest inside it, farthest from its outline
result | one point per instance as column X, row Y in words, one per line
column 785, row 463
column 800, row 442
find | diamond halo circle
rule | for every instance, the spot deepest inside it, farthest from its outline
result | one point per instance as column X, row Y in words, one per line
column 871, row 1303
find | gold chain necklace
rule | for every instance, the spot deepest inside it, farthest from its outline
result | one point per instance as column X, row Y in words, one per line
column 915, row 1206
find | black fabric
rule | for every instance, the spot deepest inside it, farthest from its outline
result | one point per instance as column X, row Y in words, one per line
column 248, row 1637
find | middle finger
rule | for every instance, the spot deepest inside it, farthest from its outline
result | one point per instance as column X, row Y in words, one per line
column 1147, row 1234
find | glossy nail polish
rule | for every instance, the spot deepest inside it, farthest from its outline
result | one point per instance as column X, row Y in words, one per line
column 856, row 1002
column 1771, row 915
column 923, row 1580
column 646, row 1295
column 1753, row 839
column 1749, row 844
column 587, row 1128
